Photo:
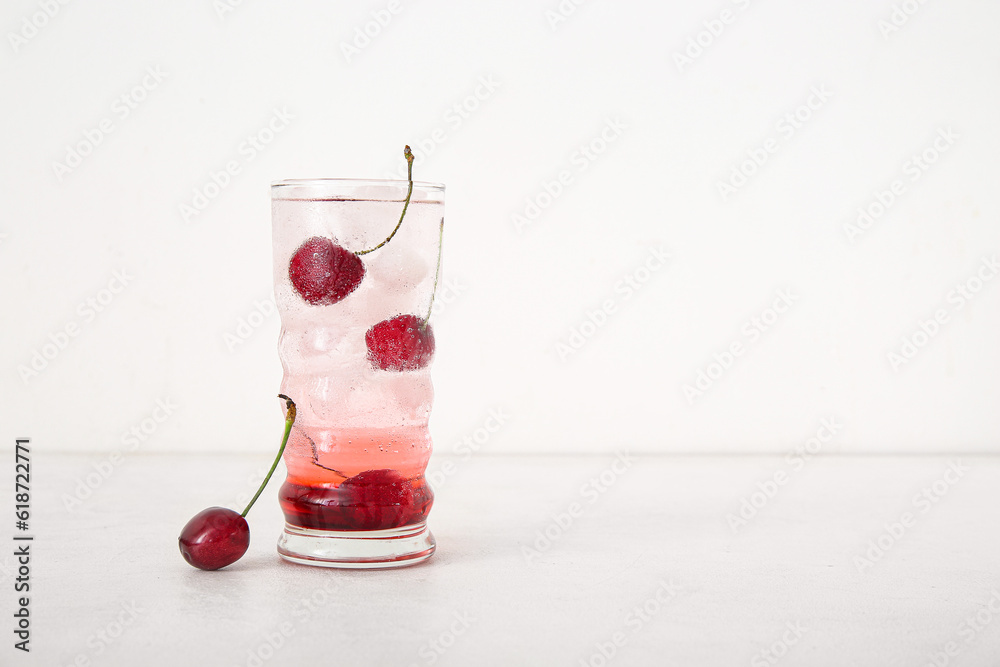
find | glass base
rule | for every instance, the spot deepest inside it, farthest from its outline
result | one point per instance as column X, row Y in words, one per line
column 359, row 549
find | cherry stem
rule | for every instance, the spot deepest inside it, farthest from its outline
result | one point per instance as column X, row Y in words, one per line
column 289, row 420
column 437, row 274
column 409, row 191
column 315, row 453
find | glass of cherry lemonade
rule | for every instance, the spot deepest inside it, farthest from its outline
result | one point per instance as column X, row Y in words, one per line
column 355, row 268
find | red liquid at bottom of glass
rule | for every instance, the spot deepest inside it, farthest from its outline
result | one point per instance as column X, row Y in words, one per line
column 371, row 500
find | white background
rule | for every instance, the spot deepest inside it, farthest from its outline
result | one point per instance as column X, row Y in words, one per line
column 521, row 290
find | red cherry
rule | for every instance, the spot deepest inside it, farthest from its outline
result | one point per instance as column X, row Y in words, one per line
column 214, row 538
column 323, row 273
column 403, row 343
column 423, row 498
column 376, row 500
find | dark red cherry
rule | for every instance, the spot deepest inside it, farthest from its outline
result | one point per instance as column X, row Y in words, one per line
column 323, row 273
column 214, row 538
column 403, row 343
column 376, row 500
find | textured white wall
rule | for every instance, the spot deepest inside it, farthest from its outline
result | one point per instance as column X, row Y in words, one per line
column 608, row 133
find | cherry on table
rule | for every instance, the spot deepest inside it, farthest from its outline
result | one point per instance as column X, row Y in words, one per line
column 214, row 538
column 218, row 536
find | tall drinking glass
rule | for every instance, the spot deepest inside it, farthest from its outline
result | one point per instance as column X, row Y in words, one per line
column 356, row 347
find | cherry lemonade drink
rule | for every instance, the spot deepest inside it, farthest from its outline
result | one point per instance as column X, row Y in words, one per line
column 355, row 268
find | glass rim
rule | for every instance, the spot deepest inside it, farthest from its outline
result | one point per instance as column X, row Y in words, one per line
column 318, row 182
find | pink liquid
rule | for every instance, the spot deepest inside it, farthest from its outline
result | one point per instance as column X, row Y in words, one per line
column 357, row 453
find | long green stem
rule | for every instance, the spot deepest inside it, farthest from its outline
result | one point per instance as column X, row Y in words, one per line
column 289, row 420
column 409, row 191
column 437, row 274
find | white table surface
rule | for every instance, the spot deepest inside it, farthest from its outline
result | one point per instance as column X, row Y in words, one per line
column 108, row 586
